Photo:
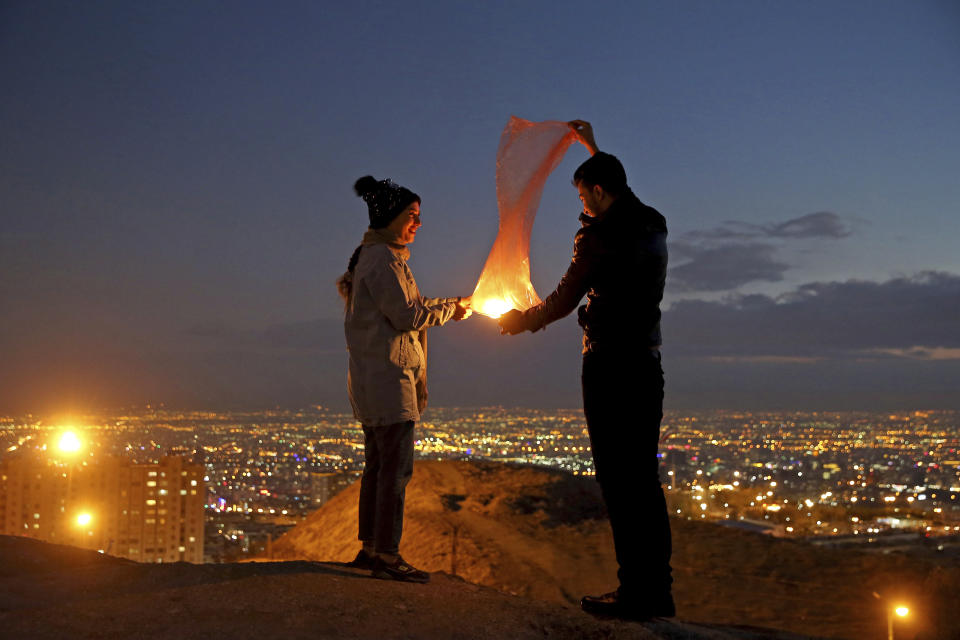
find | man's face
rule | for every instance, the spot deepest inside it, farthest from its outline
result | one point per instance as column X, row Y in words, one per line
column 406, row 224
column 593, row 198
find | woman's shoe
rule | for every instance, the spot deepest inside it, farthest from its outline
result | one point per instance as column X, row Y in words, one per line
column 363, row 560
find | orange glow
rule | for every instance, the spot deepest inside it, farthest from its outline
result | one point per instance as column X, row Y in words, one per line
column 493, row 307
column 69, row 442
column 528, row 153
column 84, row 519
column 902, row 611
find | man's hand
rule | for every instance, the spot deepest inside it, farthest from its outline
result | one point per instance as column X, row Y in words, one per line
column 584, row 132
column 464, row 310
column 511, row 323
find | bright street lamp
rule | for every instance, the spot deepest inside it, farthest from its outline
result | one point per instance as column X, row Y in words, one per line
column 69, row 442
column 84, row 519
column 901, row 611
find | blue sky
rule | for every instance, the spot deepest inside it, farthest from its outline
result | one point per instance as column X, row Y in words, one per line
column 176, row 192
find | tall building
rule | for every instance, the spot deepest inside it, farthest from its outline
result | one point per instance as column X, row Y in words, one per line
column 324, row 486
column 145, row 512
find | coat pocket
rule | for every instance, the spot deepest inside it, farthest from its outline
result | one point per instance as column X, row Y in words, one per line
column 405, row 351
column 410, row 353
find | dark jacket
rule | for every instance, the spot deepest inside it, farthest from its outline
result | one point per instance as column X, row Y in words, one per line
column 620, row 263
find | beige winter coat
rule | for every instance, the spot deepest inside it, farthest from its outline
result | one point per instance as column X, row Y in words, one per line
column 385, row 326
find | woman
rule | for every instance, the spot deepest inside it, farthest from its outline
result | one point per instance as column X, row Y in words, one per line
column 385, row 325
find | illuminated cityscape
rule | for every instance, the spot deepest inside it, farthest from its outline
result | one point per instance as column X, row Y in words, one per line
column 878, row 481
column 149, row 512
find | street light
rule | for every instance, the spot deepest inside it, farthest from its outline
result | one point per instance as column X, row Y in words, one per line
column 900, row 611
column 84, row 519
column 69, row 442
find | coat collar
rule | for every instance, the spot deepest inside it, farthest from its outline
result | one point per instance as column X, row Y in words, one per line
column 621, row 203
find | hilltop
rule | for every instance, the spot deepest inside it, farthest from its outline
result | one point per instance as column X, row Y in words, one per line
column 542, row 534
column 50, row 592
column 530, row 541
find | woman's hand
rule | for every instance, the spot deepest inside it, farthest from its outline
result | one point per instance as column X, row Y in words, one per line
column 584, row 132
column 464, row 310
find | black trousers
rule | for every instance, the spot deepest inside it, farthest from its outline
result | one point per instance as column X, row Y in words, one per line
column 623, row 405
column 387, row 468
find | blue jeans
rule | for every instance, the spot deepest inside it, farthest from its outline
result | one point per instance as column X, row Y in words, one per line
column 623, row 405
column 387, row 468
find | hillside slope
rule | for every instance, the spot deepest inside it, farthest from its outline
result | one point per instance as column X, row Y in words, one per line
column 524, row 530
column 541, row 533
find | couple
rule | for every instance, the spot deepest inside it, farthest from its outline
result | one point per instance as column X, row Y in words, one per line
column 619, row 262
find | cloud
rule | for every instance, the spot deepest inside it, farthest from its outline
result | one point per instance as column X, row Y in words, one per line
column 923, row 353
column 824, row 345
column 724, row 267
column 907, row 317
column 822, row 224
column 738, row 253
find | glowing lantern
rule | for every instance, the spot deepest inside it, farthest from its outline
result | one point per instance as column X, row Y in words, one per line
column 528, row 153
column 495, row 307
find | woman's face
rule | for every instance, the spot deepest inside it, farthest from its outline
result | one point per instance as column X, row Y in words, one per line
column 406, row 224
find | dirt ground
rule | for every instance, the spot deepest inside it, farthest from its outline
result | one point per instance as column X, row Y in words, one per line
column 49, row 592
column 542, row 534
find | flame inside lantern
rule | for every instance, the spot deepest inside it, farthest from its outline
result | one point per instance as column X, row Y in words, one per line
column 504, row 283
column 528, row 153
column 494, row 307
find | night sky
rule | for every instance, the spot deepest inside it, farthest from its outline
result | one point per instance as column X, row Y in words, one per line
column 176, row 193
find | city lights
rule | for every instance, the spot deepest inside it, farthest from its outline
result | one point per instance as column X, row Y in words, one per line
column 800, row 475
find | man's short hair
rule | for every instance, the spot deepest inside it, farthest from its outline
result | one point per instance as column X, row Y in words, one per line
column 602, row 169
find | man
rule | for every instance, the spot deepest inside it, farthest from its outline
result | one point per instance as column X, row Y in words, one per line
column 620, row 263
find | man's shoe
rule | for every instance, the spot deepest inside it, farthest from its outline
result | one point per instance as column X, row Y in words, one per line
column 363, row 560
column 615, row 605
column 398, row 570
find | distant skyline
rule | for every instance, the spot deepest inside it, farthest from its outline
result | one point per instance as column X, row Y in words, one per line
column 176, row 202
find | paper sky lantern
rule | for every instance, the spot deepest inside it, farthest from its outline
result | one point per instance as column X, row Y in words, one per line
column 528, row 153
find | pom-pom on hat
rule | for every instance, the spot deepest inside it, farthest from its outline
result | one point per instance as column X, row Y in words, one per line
column 385, row 199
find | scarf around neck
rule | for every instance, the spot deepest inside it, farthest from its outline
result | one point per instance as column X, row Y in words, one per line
column 371, row 237
column 387, row 237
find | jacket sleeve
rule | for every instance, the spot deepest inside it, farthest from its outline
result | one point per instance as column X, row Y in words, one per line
column 433, row 302
column 572, row 287
column 405, row 312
